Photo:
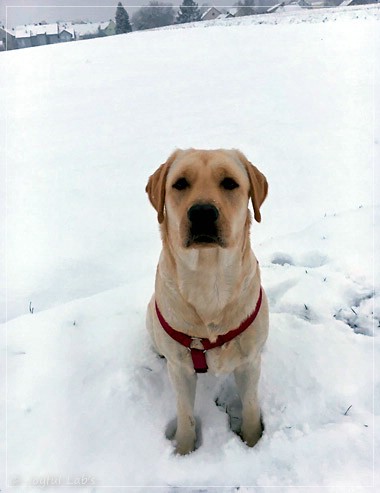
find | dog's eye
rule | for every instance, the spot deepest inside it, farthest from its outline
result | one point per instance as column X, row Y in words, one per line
column 181, row 184
column 229, row 184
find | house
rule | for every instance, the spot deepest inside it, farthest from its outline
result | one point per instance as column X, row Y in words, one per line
column 37, row 35
column 7, row 39
column 44, row 34
column 110, row 29
column 94, row 29
column 66, row 34
column 240, row 11
column 225, row 16
column 85, row 30
column 211, row 13
column 289, row 7
column 23, row 37
column 214, row 13
column 319, row 5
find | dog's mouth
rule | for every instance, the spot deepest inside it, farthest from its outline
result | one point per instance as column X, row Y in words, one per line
column 204, row 238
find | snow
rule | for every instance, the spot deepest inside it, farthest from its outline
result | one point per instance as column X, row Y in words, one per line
column 87, row 399
column 86, row 390
column 290, row 16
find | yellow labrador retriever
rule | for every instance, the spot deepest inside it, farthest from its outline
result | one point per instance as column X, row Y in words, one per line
column 209, row 311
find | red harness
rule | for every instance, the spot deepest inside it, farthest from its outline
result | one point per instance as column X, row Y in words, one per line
column 199, row 355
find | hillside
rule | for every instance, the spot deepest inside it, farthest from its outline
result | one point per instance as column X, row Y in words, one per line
column 86, row 123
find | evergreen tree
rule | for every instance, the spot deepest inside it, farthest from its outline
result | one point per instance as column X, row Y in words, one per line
column 122, row 20
column 188, row 12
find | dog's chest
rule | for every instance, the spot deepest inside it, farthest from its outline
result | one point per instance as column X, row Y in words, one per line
column 209, row 293
column 207, row 296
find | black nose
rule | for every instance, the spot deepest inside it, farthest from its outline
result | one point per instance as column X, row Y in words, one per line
column 204, row 213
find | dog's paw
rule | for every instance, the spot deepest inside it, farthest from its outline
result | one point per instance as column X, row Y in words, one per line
column 184, row 449
column 184, row 445
column 251, row 436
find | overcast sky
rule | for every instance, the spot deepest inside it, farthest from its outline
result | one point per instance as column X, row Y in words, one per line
column 25, row 12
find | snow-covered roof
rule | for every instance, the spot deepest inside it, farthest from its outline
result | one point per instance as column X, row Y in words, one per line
column 49, row 29
column 209, row 10
column 225, row 16
column 80, row 29
column 35, row 29
column 66, row 26
column 293, row 6
column 275, row 7
column 8, row 30
column 67, row 30
column 89, row 28
column 22, row 32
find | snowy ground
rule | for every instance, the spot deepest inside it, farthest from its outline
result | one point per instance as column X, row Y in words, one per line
column 327, row 14
column 86, row 124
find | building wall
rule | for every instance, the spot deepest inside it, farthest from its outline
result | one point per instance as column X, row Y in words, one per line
column 110, row 30
column 52, row 38
column 39, row 40
column 65, row 36
column 8, row 41
column 24, row 42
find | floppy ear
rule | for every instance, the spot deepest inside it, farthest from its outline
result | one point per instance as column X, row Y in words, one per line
column 156, row 187
column 258, row 185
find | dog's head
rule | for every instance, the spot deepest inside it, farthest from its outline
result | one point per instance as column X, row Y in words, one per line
column 202, row 196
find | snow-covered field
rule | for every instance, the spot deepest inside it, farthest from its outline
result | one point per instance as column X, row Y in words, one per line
column 87, row 122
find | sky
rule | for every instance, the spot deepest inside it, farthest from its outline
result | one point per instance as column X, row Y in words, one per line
column 17, row 12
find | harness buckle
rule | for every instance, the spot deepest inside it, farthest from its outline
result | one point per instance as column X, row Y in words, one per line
column 196, row 343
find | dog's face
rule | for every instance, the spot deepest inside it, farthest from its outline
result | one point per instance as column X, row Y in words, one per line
column 205, row 196
column 206, row 199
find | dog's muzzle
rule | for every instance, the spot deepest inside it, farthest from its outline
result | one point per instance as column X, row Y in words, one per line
column 203, row 226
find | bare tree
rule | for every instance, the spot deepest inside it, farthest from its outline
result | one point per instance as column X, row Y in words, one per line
column 156, row 14
column 246, row 7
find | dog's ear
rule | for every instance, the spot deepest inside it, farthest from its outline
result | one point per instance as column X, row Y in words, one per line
column 156, row 187
column 258, row 185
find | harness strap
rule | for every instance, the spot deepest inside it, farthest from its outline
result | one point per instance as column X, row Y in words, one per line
column 198, row 355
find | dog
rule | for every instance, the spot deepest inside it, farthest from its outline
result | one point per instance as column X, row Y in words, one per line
column 209, row 311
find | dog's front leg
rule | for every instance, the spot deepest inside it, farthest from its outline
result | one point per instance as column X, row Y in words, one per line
column 247, row 379
column 184, row 384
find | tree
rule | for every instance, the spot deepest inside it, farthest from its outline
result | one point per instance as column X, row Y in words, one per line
column 122, row 20
column 188, row 12
column 246, row 7
column 154, row 15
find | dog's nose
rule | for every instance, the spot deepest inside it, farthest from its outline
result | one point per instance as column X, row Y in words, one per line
column 203, row 213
